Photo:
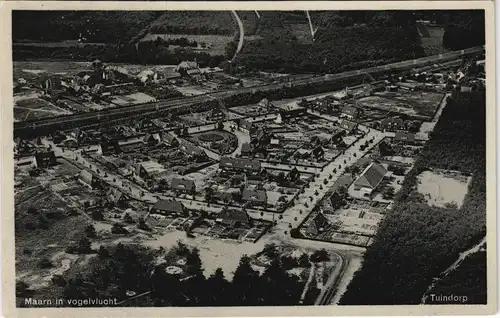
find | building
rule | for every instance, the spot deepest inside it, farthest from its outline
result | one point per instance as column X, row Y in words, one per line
column 334, row 202
column 246, row 125
column 169, row 207
column 148, row 169
column 170, row 140
column 145, row 125
column 185, row 186
column 393, row 124
column 293, row 175
column 411, row 86
column 152, row 139
column 318, row 153
column 186, row 66
column 246, row 150
column 89, row 180
column 217, row 113
column 234, row 218
column 370, row 179
column 350, row 126
column 350, row 112
column 255, row 197
column 191, row 149
column 116, row 197
column 239, row 165
column 403, row 136
column 317, row 225
column 287, row 114
column 45, row 159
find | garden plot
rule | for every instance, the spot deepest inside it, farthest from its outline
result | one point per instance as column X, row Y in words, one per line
column 218, row 141
column 36, row 108
column 442, row 188
column 250, row 110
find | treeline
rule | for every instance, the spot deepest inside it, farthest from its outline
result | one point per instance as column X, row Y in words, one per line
column 194, row 22
column 416, row 242
column 90, row 26
column 118, row 270
column 343, row 42
column 468, row 279
column 144, row 53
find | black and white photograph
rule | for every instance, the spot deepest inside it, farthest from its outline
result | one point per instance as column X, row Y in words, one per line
column 250, row 158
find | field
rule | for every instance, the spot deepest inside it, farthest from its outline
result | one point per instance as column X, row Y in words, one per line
column 215, row 44
column 36, row 108
column 440, row 189
column 433, row 43
column 132, row 99
column 421, row 104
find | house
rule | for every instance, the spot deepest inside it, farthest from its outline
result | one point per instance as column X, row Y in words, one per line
column 191, row 149
column 45, row 159
column 287, row 114
column 403, row 136
column 265, row 103
column 334, row 202
column 370, row 178
column 238, row 165
column 350, row 126
column 116, row 197
column 185, row 66
column 274, row 143
column 183, row 186
column 225, row 197
column 151, row 139
column 170, row 140
column 255, row 197
column 148, row 169
column 350, row 112
column 393, row 124
column 246, row 150
column 411, row 86
column 89, row 180
column 234, row 218
column 318, row 153
column 293, row 175
column 145, row 125
column 246, row 125
column 169, row 207
column 217, row 113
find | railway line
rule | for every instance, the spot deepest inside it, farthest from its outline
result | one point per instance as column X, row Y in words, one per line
column 36, row 127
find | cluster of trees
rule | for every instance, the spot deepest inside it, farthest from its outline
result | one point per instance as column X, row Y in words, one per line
column 123, row 268
column 146, row 52
column 416, row 242
column 194, row 22
column 344, row 41
column 464, row 29
column 90, row 26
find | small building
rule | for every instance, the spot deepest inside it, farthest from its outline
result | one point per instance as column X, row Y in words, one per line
column 350, row 126
column 274, row 143
column 318, row 153
column 170, row 140
column 148, row 169
column 45, row 159
column 116, row 197
column 350, row 112
column 318, row 224
column 184, row 66
column 393, row 124
column 411, row 86
column 191, row 149
column 334, row 202
column 234, row 218
column 246, row 150
column 370, row 178
column 145, row 125
column 185, row 186
column 152, row 139
column 217, row 113
column 287, row 114
column 403, row 136
column 169, row 207
column 246, row 125
column 239, row 165
column 89, row 180
column 255, row 197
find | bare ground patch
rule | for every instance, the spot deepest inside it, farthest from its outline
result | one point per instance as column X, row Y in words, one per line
column 440, row 189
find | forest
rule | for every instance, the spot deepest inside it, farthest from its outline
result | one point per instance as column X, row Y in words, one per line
column 90, row 26
column 415, row 241
column 119, row 268
column 194, row 22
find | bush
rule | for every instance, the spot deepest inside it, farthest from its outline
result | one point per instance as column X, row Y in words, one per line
column 320, row 256
column 45, row 263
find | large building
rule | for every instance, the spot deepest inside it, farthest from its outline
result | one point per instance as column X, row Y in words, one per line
column 350, row 112
column 191, row 149
column 183, row 186
column 148, row 169
column 370, row 179
column 350, row 126
column 169, row 207
column 234, row 217
column 254, row 197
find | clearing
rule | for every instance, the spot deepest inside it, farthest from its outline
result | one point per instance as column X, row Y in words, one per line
column 440, row 189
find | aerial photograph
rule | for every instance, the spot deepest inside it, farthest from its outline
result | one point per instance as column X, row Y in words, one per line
column 249, row 158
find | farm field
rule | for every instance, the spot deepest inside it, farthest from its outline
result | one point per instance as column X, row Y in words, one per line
column 36, row 108
column 433, row 42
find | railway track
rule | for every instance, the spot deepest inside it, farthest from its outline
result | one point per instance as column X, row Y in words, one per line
column 82, row 119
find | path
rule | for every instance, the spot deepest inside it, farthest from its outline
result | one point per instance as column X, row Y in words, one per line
column 453, row 266
column 242, row 34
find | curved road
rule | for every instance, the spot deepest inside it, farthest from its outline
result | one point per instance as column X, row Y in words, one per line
column 242, row 34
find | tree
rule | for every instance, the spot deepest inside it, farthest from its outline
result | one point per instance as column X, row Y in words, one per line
column 45, row 263
column 320, row 256
column 127, row 218
column 84, row 246
column 193, row 263
column 103, row 253
column 220, row 289
column 22, row 289
column 90, row 231
column 97, row 215
column 245, row 286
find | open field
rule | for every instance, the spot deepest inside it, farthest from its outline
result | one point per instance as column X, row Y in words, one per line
column 215, row 44
column 440, row 189
column 433, row 43
column 35, row 108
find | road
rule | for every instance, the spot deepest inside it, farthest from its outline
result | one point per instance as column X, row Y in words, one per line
column 242, row 34
column 106, row 115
